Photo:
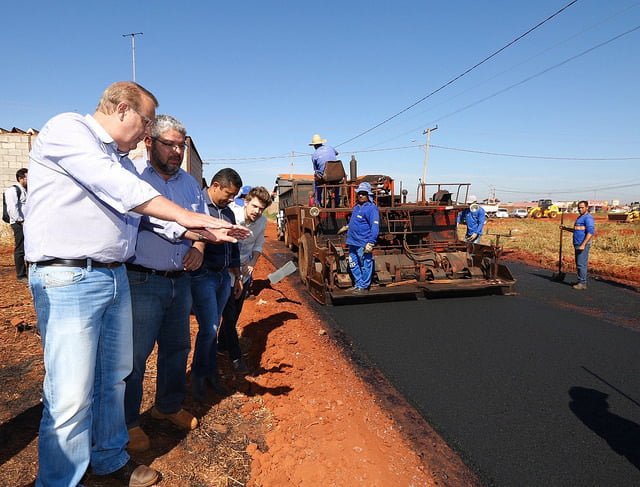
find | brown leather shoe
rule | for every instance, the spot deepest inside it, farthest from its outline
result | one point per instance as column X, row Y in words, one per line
column 138, row 440
column 135, row 475
column 182, row 418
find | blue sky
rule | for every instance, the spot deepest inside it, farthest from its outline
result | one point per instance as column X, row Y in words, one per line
column 254, row 80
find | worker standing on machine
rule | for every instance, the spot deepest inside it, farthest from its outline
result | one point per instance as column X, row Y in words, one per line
column 362, row 234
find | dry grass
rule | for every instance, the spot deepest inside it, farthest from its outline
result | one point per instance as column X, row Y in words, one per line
column 615, row 243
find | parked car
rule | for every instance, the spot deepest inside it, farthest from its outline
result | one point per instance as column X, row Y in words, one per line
column 519, row 213
column 502, row 213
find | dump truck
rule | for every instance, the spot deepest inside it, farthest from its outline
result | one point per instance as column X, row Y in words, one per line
column 544, row 209
column 417, row 253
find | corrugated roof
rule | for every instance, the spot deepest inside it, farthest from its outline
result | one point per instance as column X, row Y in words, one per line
column 16, row 130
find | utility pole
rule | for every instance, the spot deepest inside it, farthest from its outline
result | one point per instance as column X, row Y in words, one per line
column 133, row 50
column 426, row 159
column 291, row 165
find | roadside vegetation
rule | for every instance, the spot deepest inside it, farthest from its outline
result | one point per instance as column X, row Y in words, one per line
column 616, row 244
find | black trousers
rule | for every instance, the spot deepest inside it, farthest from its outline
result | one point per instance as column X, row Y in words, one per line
column 18, row 251
column 227, row 333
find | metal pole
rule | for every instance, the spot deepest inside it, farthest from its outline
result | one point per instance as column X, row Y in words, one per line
column 426, row 159
column 291, row 165
column 133, row 50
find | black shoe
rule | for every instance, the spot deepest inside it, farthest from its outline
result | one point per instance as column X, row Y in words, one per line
column 216, row 386
column 135, row 475
column 198, row 388
column 240, row 367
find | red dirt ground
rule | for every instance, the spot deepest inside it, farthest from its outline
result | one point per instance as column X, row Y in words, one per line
column 305, row 416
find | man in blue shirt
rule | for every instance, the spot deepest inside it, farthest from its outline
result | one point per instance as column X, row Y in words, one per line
column 363, row 229
column 583, row 231
column 81, row 223
column 474, row 217
column 322, row 154
column 160, row 287
column 210, row 286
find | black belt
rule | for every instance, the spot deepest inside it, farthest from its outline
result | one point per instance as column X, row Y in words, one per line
column 78, row 263
column 169, row 274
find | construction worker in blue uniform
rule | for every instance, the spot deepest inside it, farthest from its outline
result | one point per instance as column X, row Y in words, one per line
column 362, row 233
column 583, row 231
column 474, row 217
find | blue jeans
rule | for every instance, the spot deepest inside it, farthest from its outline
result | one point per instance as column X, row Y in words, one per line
column 84, row 319
column 582, row 259
column 361, row 266
column 210, row 291
column 161, row 309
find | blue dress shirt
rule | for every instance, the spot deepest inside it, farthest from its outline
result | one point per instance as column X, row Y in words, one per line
column 160, row 245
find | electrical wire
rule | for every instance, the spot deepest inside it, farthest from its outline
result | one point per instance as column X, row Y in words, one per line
column 453, row 80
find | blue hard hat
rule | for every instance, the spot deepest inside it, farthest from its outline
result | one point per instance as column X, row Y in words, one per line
column 364, row 187
column 244, row 191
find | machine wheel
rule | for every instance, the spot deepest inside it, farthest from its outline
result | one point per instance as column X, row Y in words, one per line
column 553, row 214
column 536, row 214
column 305, row 257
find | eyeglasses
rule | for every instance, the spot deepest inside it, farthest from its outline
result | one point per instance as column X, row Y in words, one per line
column 179, row 147
column 147, row 121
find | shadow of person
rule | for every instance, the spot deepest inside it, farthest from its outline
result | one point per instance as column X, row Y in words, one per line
column 259, row 285
column 257, row 331
column 19, row 431
column 622, row 435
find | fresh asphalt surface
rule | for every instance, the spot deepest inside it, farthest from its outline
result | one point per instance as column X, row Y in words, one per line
column 541, row 388
column 537, row 389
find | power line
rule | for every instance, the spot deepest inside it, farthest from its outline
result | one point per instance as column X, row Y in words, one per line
column 544, row 71
column 569, row 191
column 526, row 156
column 460, row 75
column 458, row 149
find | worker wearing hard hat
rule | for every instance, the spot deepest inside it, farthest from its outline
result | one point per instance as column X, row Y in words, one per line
column 362, row 234
column 323, row 153
column 474, row 217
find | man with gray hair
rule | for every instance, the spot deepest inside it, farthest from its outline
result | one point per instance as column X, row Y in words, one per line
column 160, row 285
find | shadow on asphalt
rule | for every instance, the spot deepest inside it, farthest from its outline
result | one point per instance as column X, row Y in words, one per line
column 621, row 434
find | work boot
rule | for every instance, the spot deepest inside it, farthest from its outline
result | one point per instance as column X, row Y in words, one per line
column 182, row 418
column 135, row 475
column 580, row 286
column 138, row 440
column 240, row 367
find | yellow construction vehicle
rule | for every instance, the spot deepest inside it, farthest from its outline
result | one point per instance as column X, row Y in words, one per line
column 544, row 209
column 633, row 215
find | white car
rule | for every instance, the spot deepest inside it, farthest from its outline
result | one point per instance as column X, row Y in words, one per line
column 519, row 213
column 502, row 213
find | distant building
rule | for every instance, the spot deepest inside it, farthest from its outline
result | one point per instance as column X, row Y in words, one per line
column 15, row 145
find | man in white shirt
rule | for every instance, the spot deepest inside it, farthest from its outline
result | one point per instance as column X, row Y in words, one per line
column 15, row 198
column 82, row 215
column 250, row 215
